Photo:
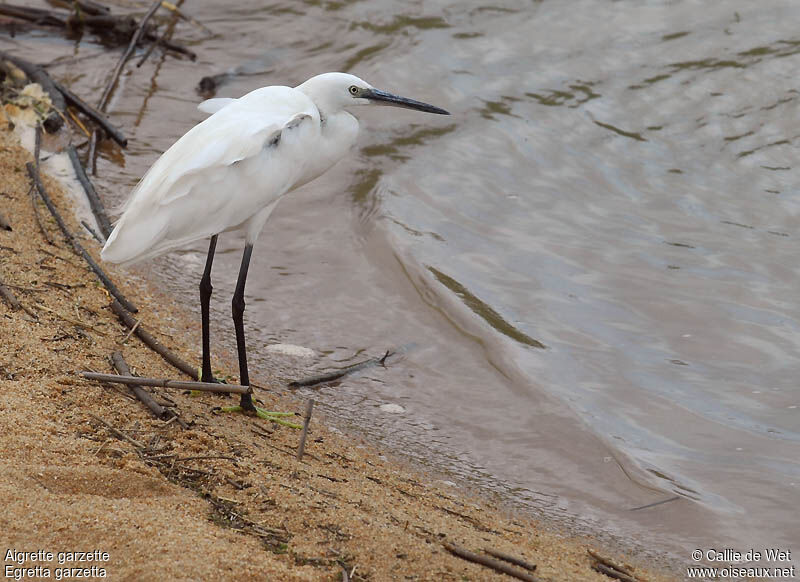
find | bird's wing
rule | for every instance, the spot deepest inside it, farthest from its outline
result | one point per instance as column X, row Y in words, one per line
column 211, row 106
column 234, row 133
column 219, row 174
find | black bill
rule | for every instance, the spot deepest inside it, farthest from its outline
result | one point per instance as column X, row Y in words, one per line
column 384, row 98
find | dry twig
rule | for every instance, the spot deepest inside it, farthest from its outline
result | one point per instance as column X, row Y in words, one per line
column 33, row 172
column 166, row 383
column 495, row 565
column 306, row 420
column 152, row 342
column 137, row 35
column 143, row 395
column 511, row 559
column 98, row 209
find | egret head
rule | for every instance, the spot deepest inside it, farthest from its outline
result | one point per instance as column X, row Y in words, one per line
column 336, row 91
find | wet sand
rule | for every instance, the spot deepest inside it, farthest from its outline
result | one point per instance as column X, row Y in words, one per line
column 226, row 498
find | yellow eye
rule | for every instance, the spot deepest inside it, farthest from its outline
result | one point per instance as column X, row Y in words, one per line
column 353, row 90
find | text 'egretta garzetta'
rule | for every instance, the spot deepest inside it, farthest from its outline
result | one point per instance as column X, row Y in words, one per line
column 230, row 171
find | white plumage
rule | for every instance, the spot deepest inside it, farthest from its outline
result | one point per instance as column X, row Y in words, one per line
column 229, row 171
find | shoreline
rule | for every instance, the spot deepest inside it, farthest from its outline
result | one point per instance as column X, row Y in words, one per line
column 228, row 485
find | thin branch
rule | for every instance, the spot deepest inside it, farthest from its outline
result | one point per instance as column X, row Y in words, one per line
column 511, row 559
column 153, row 343
column 101, row 105
column 9, row 297
column 98, row 209
column 166, row 383
column 143, row 395
column 33, row 172
column 340, row 373
column 495, row 565
column 92, row 114
column 609, row 562
column 613, row 573
column 95, row 235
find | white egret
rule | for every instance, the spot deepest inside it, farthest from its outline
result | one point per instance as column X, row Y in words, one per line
column 229, row 172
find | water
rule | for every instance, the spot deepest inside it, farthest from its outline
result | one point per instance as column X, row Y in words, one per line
column 593, row 258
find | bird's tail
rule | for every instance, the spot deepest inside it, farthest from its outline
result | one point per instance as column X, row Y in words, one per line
column 132, row 241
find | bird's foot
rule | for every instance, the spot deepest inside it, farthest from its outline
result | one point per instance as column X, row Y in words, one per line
column 265, row 414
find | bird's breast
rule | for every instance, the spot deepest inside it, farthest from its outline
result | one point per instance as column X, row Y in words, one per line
column 337, row 135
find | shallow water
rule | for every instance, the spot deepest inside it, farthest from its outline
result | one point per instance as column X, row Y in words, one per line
column 592, row 259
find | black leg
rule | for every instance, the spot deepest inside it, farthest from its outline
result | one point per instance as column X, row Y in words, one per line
column 205, row 297
column 238, row 323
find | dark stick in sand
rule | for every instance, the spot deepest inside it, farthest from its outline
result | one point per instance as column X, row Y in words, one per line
column 153, row 343
column 511, row 559
column 33, row 172
column 306, row 419
column 143, row 395
column 98, row 209
column 495, row 565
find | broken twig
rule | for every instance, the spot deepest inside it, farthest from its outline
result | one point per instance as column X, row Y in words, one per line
column 613, row 573
column 33, row 172
column 306, row 420
column 92, row 114
column 166, row 383
column 143, row 395
column 152, row 342
column 98, row 209
column 9, row 297
column 511, row 559
column 137, row 35
column 495, row 565
column 607, row 565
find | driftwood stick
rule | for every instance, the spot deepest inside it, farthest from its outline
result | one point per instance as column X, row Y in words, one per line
column 9, row 297
column 33, row 172
column 37, row 74
column 98, row 209
column 166, row 383
column 495, row 565
column 143, row 395
column 91, row 157
column 154, row 344
column 511, row 559
column 340, row 373
column 93, row 114
column 306, row 420
column 33, row 195
column 608, row 562
column 35, row 15
column 613, row 573
column 137, row 35
column 37, row 143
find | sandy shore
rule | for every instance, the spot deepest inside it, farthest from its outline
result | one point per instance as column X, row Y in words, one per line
column 86, row 467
